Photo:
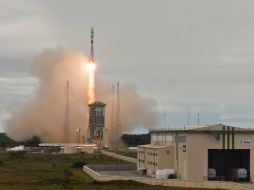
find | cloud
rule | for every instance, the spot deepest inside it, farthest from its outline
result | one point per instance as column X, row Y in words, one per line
column 15, row 92
column 182, row 54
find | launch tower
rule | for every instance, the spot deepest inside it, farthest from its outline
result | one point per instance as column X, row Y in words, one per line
column 96, row 124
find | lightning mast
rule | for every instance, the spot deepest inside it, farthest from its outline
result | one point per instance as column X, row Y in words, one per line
column 118, row 119
column 112, row 131
column 66, row 137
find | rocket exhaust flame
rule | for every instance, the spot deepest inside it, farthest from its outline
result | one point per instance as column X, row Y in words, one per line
column 91, row 82
column 91, row 72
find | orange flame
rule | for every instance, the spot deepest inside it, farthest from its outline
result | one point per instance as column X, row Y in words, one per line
column 91, row 82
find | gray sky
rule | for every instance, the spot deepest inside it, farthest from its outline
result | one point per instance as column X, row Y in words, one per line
column 195, row 53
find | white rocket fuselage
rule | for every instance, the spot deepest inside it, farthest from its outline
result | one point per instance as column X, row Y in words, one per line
column 91, row 59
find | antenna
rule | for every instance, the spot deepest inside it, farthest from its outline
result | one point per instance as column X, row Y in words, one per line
column 164, row 117
column 66, row 138
column 188, row 116
column 198, row 118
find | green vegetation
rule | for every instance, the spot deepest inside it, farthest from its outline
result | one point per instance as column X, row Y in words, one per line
column 135, row 139
column 5, row 141
column 131, row 154
column 17, row 155
column 33, row 142
column 78, row 163
column 24, row 171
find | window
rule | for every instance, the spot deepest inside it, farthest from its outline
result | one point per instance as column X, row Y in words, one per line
column 154, row 138
column 169, row 138
column 160, row 137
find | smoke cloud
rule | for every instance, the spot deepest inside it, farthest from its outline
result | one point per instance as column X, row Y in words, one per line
column 44, row 115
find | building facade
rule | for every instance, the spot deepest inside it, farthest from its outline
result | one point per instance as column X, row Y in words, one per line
column 195, row 150
column 152, row 158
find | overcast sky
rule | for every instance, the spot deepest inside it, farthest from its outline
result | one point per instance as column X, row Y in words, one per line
column 196, row 53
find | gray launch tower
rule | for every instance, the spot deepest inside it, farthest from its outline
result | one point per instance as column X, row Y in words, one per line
column 96, row 125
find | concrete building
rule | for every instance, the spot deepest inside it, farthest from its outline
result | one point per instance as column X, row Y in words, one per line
column 68, row 148
column 192, row 151
column 152, row 158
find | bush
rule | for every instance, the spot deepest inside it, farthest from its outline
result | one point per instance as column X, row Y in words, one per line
column 33, row 142
column 18, row 155
column 67, row 174
column 1, row 163
column 78, row 164
column 81, row 154
column 5, row 141
column 136, row 139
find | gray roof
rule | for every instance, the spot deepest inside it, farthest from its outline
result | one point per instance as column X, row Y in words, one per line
column 97, row 103
column 216, row 128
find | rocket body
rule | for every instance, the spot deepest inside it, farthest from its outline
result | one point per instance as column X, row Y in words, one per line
column 91, row 72
column 91, row 59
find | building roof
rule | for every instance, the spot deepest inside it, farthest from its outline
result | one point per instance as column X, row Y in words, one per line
column 153, row 146
column 67, row 144
column 218, row 128
column 97, row 103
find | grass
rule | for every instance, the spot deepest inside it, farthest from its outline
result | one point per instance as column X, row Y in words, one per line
column 55, row 172
column 131, row 154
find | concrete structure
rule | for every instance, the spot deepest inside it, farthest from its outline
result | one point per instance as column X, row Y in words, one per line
column 170, row 183
column 192, row 151
column 86, row 149
column 152, row 158
column 96, row 124
column 69, row 148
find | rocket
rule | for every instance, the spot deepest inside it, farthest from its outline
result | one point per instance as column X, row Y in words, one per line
column 91, row 58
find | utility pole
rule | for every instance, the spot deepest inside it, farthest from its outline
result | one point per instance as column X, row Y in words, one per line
column 78, row 135
column 164, row 117
column 198, row 118
column 188, row 116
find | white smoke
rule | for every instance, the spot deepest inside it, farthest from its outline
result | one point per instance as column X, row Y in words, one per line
column 44, row 115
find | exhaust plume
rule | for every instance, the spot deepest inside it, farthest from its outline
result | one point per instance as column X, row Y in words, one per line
column 91, row 82
column 44, row 115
